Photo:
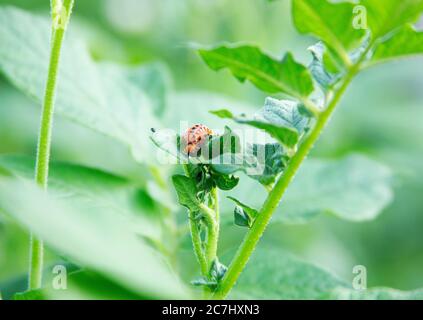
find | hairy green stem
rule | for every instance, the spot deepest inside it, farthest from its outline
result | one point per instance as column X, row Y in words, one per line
column 212, row 234
column 61, row 12
column 254, row 234
column 215, row 197
column 196, row 243
column 205, row 254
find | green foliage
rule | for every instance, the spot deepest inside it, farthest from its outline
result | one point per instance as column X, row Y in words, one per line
column 155, row 81
column 98, row 238
column 376, row 294
column 87, row 187
column 226, row 143
column 86, row 285
column 187, row 192
column 112, row 226
column 266, row 73
column 330, row 22
column 405, row 42
column 225, row 156
column 275, row 274
column 322, row 67
column 226, row 182
column 88, row 92
column 279, row 118
column 243, row 215
column 354, row 188
column 385, row 16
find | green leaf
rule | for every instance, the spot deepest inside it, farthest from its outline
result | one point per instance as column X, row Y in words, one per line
column 279, row 118
column 406, row 42
column 274, row 274
column 384, row 16
column 260, row 162
column 98, row 238
column 187, row 192
column 217, row 270
column 30, row 295
column 225, row 182
column 82, row 285
column 250, row 211
column 226, row 143
column 169, row 141
column 354, row 188
column 217, row 145
column 376, row 294
column 155, row 80
column 266, row 73
column 330, row 22
column 241, row 218
column 193, row 107
column 275, row 161
column 92, row 188
column 318, row 69
column 101, row 97
column 243, row 214
column 223, row 113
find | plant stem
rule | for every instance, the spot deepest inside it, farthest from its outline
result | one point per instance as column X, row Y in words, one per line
column 196, row 243
column 60, row 14
column 212, row 234
column 254, row 234
column 215, row 196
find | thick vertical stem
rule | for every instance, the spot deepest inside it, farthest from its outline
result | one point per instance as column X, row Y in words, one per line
column 61, row 12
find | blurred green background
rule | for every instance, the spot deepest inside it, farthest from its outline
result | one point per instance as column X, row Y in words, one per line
column 382, row 116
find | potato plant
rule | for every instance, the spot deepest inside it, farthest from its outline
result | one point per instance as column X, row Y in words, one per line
column 123, row 233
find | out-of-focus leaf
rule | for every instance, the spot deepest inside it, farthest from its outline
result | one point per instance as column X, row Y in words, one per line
column 384, row 16
column 30, row 295
column 191, row 107
column 279, row 118
column 376, row 294
column 82, row 285
column 98, row 96
column 92, row 188
column 275, row 274
column 406, row 42
column 155, row 80
column 98, row 239
column 354, row 188
column 266, row 73
column 330, row 22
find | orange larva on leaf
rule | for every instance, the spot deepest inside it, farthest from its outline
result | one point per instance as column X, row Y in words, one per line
column 195, row 137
